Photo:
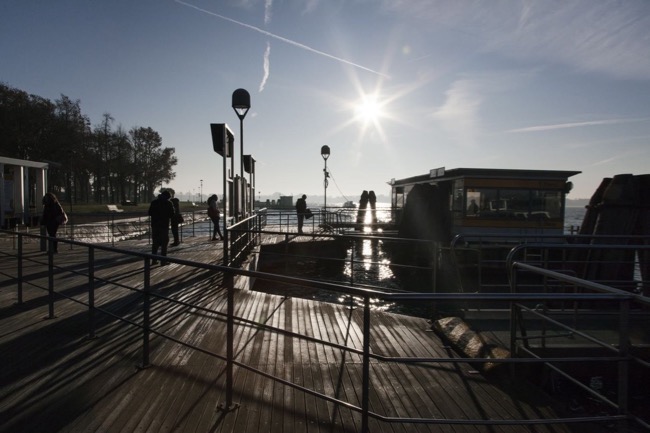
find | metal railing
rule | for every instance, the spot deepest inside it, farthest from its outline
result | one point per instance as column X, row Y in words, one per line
column 617, row 349
column 518, row 300
column 585, row 255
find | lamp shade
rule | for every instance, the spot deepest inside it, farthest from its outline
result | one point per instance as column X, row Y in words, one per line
column 325, row 152
column 241, row 102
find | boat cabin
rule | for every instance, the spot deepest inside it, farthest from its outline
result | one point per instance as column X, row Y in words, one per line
column 478, row 201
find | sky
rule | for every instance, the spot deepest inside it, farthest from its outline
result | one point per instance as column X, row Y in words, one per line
column 395, row 88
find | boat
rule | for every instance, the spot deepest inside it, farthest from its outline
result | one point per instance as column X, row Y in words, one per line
column 349, row 205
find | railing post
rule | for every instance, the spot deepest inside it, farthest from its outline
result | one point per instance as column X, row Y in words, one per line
column 352, row 265
column 20, row 270
column 50, row 278
column 229, row 279
column 513, row 318
column 434, row 265
column 365, row 398
column 145, row 314
column 91, row 293
column 623, row 365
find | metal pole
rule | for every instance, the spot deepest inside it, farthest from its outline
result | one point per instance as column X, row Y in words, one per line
column 240, row 200
column 145, row 314
column 365, row 397
column 325, row 187
column 226, row 235
column 91, row 293
column 50, row 278
column 623, row 366
column 228, row 405
column 20, row 269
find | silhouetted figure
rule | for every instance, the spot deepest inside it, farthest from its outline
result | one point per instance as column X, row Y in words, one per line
column 301, row 210
column 177, row 219
column 472, row 209
column 161, row 211
column 372, row 200
column 215, row 215
column 53, row 217
column 363, row 204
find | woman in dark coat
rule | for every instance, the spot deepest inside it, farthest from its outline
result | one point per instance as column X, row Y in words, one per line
column 214, row 214
column 53, row 217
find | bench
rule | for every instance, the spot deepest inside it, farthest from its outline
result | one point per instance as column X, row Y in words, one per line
column 113, row 208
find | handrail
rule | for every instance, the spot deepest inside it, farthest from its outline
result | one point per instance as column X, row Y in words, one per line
column 624, row 298
column 606, row 294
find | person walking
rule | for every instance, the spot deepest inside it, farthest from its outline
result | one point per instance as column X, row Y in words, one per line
column 214, row 214
column 161, row 211
column 177, row 219
column 301, row 210
column 53, row 217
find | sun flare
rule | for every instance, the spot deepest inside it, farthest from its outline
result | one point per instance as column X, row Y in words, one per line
column 369, row 109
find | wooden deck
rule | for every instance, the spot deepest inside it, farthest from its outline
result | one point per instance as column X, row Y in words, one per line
column 54, row 378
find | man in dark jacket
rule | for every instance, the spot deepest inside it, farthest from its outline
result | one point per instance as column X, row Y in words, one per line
column 177, row 219
column 301, row 209
column 161, row 211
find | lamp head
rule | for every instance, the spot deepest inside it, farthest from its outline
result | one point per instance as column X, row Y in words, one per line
column 241, row 102
column 325, row 152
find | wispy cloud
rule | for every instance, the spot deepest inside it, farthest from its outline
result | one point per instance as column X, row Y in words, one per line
column 573, row 125
column 459, row 115
column 280, row 38
column 611, row 38
column 267, row 66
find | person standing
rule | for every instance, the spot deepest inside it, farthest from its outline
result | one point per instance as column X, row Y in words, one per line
column 53, row 217
column 301, row 210
column 177, row 219
column 214, row 214
column 161, row 211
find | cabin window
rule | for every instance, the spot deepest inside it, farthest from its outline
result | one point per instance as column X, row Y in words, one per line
column 546, row 204
column 519, row 204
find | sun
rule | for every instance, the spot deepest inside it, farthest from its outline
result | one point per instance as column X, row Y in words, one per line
column 369, row 109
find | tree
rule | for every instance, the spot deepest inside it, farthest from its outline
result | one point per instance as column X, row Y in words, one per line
column 152, row 163
column 99, row 163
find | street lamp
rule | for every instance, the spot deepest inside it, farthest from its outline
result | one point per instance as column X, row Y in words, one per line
column 201, row 194
column 325, row 153
column 241, row 103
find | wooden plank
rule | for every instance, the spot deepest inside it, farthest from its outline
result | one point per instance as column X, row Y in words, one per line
column 94, row 386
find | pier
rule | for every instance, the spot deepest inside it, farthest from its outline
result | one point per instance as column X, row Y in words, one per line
column 70, row 368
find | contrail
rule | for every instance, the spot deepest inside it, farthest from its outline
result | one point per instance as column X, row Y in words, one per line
column 288, row 41
column 268, row 4
column 574, row 125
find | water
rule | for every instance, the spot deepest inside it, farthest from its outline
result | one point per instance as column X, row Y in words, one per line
column 573, row 217
column 368, row 263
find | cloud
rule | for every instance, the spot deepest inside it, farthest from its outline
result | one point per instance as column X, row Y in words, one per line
column 459, row 114
column 605, row 37
column 574, row 125
column 267, row 66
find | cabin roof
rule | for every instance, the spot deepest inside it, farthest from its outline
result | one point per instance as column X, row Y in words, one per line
column 488, row 173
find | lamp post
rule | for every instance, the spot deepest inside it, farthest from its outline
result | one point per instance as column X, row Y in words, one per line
column 201, row 193
column 325, row 153
column 241, row 103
